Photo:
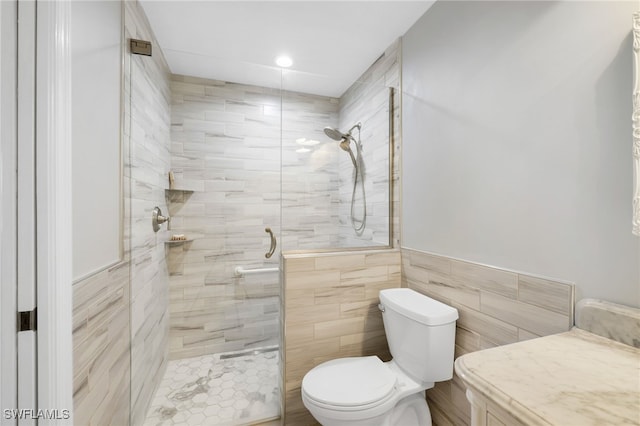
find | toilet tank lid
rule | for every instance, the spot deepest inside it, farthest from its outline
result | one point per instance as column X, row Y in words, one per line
column 417, row 306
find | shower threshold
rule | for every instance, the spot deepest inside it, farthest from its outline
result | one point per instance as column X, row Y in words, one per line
column 258, row 351
column 234, row 388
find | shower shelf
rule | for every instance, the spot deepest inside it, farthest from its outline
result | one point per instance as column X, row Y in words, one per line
column 179, row 190
column 174, row 242
column 173, row 196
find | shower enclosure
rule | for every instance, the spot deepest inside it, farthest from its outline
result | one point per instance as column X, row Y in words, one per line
column 251, row 167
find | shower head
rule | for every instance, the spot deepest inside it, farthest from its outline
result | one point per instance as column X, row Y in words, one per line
column 344, row 139
column 335, row 134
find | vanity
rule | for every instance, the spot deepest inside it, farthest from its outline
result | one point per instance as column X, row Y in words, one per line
column 579, row 377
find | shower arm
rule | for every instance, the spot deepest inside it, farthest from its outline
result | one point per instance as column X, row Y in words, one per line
column 358, row 126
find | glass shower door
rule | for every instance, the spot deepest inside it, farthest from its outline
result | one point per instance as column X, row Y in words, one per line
column 204, row 294
column 224, row 285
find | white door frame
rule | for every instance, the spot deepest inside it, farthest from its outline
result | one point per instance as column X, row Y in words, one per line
column 53, row 212
column 53, row 183
column 26, row 210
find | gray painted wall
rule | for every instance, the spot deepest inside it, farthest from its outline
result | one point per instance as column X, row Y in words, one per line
column 517, row 140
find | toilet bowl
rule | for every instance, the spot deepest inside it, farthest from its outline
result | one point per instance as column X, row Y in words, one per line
column 365, row 391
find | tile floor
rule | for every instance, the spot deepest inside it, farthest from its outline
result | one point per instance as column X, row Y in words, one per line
column 223, row 389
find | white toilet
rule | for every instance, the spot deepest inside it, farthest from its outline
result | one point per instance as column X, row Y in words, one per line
column 365, row 390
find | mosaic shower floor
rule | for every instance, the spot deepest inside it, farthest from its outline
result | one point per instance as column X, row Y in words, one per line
column 223, row 389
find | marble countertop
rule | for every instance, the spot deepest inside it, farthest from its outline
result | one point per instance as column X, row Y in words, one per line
column 572, row 378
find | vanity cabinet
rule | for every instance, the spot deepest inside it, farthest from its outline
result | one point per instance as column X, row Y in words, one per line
column 572, row 378
column 486, row 413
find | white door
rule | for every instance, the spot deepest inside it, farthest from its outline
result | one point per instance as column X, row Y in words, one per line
column 8, row 212
column 26, row 211
column 17, row 192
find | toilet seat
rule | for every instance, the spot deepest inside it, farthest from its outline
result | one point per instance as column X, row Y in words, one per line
column 350, row 384
column 360, row 391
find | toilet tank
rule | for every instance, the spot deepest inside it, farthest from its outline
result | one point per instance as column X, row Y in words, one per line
column 421, row 333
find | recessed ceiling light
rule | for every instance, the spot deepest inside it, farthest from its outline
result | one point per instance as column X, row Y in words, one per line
column 284, row 61
column 302, row 150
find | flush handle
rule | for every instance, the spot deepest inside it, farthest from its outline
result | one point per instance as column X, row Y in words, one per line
column 381, row 307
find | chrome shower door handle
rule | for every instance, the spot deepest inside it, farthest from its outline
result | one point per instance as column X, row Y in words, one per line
column 273, row 243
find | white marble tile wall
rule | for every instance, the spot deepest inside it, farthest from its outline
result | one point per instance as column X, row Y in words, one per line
column 495, row 306
column 367, row 101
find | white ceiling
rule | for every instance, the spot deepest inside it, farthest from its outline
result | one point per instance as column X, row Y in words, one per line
column 331, row 42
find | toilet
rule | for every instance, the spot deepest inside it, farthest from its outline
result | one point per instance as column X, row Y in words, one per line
column 364, row 391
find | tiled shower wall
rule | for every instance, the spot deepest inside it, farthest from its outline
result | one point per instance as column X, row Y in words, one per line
column 367, row 101
column 120, row 313
column 496, row 307
column 310, row 195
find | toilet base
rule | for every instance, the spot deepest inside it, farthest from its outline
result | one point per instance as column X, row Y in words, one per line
column 409, row 411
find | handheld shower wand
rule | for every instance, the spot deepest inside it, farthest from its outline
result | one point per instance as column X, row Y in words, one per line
column 345, row 144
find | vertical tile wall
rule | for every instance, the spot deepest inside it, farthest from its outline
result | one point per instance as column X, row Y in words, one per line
column 330, row 304
column 496, row 307
column 148, row 165
column 120, row 314
column 367, row 101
